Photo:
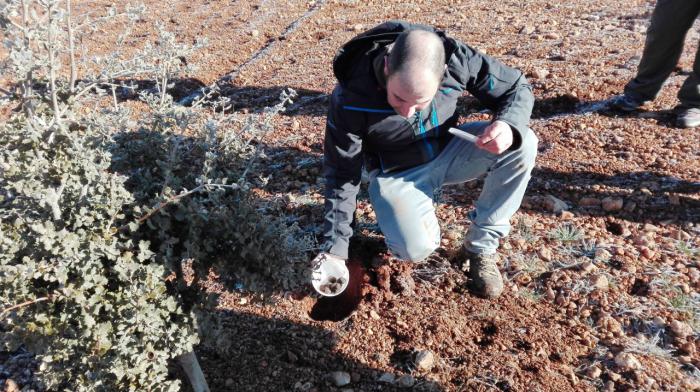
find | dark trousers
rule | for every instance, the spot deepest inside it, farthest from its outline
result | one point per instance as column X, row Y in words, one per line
column 670, row 22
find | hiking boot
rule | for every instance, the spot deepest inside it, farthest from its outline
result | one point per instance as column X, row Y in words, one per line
column 626, row 103
column 486, row 280
column 688, row 117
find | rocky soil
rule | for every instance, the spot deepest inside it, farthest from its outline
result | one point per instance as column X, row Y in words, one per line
column 603, row 263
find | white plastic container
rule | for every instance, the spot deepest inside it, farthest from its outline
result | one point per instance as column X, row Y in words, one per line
column 330, row 276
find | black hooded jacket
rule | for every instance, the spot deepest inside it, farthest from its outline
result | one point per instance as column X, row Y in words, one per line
column 362, row 128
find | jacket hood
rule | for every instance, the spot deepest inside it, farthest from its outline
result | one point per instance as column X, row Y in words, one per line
column 350, row 54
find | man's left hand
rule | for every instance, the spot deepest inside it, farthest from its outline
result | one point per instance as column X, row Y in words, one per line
column 496, row 138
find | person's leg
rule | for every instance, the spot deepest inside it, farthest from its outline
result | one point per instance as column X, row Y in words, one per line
column 507, row 176
column 670, row 22
column 403, row 203
column 689, row 94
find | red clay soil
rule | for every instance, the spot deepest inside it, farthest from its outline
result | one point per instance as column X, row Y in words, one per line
column 574, row 302
column 552, row 329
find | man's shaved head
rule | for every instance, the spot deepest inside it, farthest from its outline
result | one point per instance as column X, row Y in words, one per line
column 414, row 70
column 417, row 51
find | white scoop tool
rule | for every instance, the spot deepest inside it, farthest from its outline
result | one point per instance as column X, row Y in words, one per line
column 330, row 276
column 463, row 135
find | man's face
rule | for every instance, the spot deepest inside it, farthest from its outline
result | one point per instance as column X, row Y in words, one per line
column 411, row 91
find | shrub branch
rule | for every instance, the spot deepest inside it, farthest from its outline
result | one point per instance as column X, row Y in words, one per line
column 26, row 303
column 179, row 196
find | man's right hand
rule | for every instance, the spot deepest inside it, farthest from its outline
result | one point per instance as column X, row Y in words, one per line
column 324, row 257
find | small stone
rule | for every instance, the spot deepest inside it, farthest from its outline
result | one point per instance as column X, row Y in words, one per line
column 609, row 324
column 680, row 329
column 573, row 379
column 593, row 372
column 589, row 202
column 550, row 294
column 340, row 378
column 296, row 125
column 545, row 254
column 540, row 73
column 647, row 253
column 405, row 283
column 611, row 204
column 690, row 384
column 527, row 30
column 688, row 348
column 358, row 27
column 658, row 322
column 602, row 254
column 685, row 288
column 615, row 377
column 561, row 300
column 551, row 36
column 555, row 205
column 600, row 282
column 387, row 378
column 425, row 360
column 229, row 382
column 649, row 228
column 374, row 315
column 588, row 267
column 406, row 381
column 523, row 279
column 627, row 361
column 254, row 33
column 567, row 215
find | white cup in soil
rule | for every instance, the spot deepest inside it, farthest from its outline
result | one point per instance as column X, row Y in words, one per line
column 330, row 276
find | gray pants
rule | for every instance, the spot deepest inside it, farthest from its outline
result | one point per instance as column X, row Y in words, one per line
column 403, row 201
column 670, row 22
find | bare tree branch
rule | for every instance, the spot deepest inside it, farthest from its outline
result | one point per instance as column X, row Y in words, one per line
column 52, row 64
column 27, row 303
column 27, row 82
column 179, row 196
column 71, row 48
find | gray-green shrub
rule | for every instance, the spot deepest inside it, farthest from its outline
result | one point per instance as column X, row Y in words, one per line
column 99, row 204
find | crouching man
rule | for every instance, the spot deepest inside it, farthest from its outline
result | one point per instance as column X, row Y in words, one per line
column 397, row 92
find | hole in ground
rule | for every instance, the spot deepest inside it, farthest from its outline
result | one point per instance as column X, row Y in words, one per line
column 490, row 329
column 342, row 306
column 402, row 360
column 614, row 228
column 640, row 288
column 555, row 357
column 523, row 345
